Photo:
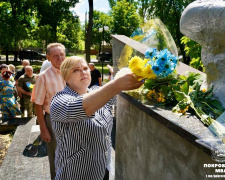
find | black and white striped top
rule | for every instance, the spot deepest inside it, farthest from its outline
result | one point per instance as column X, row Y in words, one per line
column 83, row 143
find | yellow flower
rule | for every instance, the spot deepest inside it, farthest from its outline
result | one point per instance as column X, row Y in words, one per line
column 161, row 98
column 145, row 61
column 135, row 61
column 183, row 111
column 148, row 72
column 150, row 93
column 137, row 71
column 204, row 90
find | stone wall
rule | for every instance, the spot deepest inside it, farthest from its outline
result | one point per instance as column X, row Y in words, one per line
column 147, row 149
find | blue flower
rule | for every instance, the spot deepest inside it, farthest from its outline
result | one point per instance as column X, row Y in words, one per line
column 172, row 58
column 150, row 53
column 163, row 62
column 157, row 69
column 163, row 54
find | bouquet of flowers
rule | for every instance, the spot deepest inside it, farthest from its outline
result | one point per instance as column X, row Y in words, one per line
column 165, row 87
column 157, row 68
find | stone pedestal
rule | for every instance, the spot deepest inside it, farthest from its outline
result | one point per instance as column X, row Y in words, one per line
column 204, row 22
column 154, row 143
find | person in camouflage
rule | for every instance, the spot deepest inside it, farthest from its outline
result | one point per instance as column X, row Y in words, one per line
column 25, row 86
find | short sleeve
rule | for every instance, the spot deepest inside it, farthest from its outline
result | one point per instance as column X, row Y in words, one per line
column 20, row 82
column 17, row 76
column 67, row 109
column 40, row 90
column 75, row 109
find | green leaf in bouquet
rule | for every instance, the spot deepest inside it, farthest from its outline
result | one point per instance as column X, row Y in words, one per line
column 149, row 83
column 209, row 109
column 207, row 120
column 174, row 81
column 194, row 79
column 165, row 89
column 183, row 77
column 180, row 95
column 183, row 104
column 208, row 95
column 216, row 104
column 185, row 87
column 194, row 94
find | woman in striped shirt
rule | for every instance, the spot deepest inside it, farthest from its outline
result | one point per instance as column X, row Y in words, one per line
column 82, row 122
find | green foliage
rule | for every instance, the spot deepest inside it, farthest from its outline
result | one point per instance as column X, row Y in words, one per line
column 69, row 33
column 100, row 20
column 35, row 23
column 53, row 16
column 15, row 22
column 193, row 49
column 112, row 3
column 125, row 18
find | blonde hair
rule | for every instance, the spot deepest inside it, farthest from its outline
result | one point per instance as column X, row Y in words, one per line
column 54, row 45
column 68, row 64
column 12, row 68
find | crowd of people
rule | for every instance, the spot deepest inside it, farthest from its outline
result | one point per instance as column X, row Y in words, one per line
column 15, row 90
column 73, row 110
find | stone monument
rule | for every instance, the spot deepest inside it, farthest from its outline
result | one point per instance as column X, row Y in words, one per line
column 204, row 22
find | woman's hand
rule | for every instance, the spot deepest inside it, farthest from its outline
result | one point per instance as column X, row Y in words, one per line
column 128, row 82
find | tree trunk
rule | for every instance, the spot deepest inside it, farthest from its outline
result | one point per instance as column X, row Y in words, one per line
column 15, row 56
column 89, row 32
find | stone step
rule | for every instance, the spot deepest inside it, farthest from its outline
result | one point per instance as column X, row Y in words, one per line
column 10, row 124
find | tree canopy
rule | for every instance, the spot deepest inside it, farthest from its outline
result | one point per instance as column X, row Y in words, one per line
column 125, row 18
column 15, row 22
column 32, row 22
column 35, row 23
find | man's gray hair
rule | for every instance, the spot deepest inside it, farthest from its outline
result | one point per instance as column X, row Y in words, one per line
column 27, row 67
column 55, row 45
